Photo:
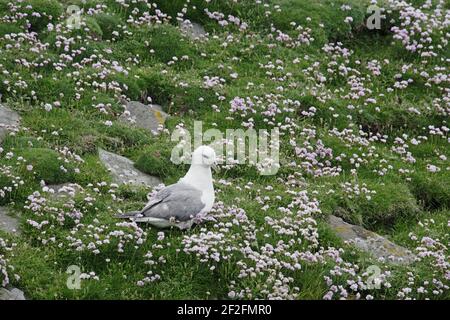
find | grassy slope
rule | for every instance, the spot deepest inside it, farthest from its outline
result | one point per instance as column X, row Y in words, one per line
column 395, row 209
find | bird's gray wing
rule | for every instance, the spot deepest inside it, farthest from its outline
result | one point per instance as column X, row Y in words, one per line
column 179, row 200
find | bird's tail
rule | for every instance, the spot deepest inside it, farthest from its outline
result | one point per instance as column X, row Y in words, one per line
column 127, row 215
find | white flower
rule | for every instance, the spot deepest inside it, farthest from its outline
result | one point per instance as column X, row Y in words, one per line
column 433, row 168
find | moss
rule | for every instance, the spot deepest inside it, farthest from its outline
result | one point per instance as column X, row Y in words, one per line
column 120, row 135
column 392, row 118
column 79, row 126
column 21, row 142
column 132, row 89
column 48, row 11
column 431, row 189
column 158, row 86
column 4, row 8
column 94, row 28
column 323, row 12
column 7, row 28
column 391, row 202
column 107, row 24
column 167, row 42
column 91, row 171
column 47, row 88
column 155, row 160
column 194, row 98
column 46, row 165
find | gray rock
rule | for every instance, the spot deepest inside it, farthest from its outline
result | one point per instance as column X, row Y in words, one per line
column 193, row 30
column 11, row 294
column 123, row 171
column 9, row 120
column 147, row 117
column 157, row 107
column 8, row 223
column 368, row 241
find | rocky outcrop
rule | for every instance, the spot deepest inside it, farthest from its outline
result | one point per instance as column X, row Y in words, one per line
column 11, row 294
column 148, row 117
column 368, row 241
column 123, row 171
column 8, row 223
column 9, row 120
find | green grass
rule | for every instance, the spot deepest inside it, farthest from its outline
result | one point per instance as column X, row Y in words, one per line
column 88, row 70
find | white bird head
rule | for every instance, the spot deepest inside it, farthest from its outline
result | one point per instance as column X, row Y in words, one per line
column 204, row 156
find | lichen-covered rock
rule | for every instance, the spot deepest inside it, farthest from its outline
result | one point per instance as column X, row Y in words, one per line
column 11, row 294
column 370, row 242
column 123, row 171
column 9, row 120
column 7, row 222
column 148, row 117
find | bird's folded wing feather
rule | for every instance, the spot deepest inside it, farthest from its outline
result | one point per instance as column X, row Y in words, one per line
column 179, row 200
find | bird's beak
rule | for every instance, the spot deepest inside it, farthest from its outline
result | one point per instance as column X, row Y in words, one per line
column 215, row 167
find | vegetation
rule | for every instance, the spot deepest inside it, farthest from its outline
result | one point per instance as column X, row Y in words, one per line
column 363, row 116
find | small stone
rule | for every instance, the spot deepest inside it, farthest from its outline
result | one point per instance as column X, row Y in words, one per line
column 8, row 223
column 148, row 117
column 11, row 294
column 370, row 242
column 9, row 120
column 123, row 171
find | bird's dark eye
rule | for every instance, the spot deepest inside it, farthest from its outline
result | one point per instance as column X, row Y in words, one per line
column 205, row 156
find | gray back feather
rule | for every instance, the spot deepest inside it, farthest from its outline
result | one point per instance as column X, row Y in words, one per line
column 179, row 200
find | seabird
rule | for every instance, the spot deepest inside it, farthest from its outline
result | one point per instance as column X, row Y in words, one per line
column 180, row 203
